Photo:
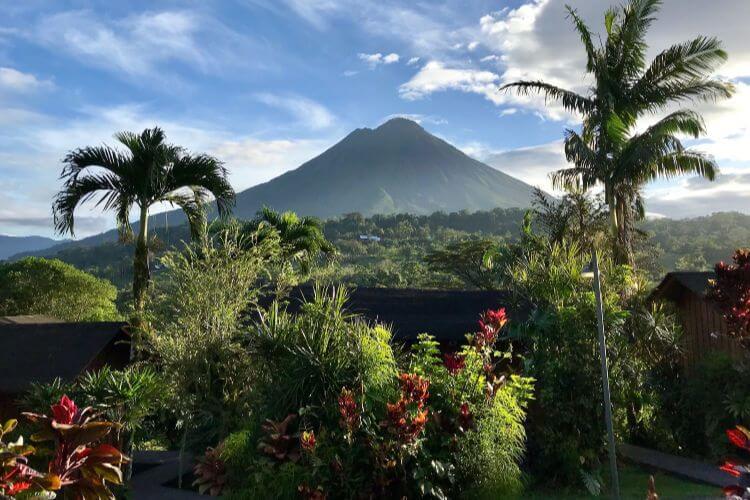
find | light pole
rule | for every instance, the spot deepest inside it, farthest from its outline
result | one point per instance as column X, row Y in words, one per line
column 594, row 273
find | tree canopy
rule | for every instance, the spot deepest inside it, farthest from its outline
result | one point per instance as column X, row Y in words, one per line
column 50, row 287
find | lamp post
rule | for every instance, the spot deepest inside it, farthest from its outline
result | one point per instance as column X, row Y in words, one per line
column 593, row 272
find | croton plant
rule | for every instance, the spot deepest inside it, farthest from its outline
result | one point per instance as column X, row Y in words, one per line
column 81, row 465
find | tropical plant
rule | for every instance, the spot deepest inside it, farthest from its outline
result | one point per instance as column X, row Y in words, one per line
column 196, row 317
column 302, row 238
column 151, row 171
column 210, row 472
column 609, row 150
column 739, row 436
column 16, row 477
column 464, row 259
column 83, row 466
column 731, row 292
column 50, row 287
column 307, row 357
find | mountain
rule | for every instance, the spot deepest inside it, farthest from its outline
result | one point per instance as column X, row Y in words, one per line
column 11, row 245
column 396, row 168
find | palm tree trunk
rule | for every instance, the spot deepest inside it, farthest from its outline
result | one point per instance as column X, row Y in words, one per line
column 141, row 271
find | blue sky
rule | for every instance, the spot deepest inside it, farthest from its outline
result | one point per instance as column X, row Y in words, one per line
column 267, row 84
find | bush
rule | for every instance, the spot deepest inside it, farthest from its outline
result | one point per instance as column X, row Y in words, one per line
column 337, row 420
column 50, row 287
column 195, row 319
column 308, row 357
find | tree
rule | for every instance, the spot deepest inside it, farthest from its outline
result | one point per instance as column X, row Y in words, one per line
column 53, row 288
column 465, row 260
column 302, row 238
column 149, row 172
column 608, row 150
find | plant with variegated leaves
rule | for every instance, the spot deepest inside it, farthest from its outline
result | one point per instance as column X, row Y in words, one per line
column 15, row 474
column 82, row 463
column 210, row 472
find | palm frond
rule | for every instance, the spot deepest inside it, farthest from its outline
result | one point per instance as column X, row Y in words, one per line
column 79, row 189
column 204, row 172
column 585, row 35
column 570, row 100
column 193, row 207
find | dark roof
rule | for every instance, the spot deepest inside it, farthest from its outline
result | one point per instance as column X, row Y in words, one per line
column 446, row 314
column 676, row 283
column 40, row 352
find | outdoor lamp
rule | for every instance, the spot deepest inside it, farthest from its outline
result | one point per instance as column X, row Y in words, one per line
column 591, row 271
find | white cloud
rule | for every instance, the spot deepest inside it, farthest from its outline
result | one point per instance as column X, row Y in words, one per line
column 306, row 111
column 17, row 81
column 137, row 46
column 412, row 61
column 30, row 160
column 435, row 77
column 489, row 58
column 419, row 118
column 508, row 111
column 472, row 46
column 377, row 58
column 531, row 164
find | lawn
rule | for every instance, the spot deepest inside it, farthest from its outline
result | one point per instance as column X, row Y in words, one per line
column 634, row 484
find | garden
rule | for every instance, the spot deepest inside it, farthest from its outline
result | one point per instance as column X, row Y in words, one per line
column 267, row 395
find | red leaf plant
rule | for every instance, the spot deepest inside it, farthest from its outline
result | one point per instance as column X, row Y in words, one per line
column 454, row 362
column 348, row 410
column 739, row 437
column 83, row 465
column 15, row 475
column 407, row 416
column 279, row 443
column 210, row 472
column 307, row 441
column 731, row 292
column 490, row 324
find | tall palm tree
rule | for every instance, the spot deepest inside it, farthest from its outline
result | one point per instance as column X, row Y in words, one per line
column 148, row 172
column 608, row 151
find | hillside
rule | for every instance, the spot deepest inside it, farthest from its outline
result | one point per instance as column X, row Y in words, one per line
column 396, row 168
column 11, row 245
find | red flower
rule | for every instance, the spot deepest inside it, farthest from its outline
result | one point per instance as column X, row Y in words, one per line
column 307, row 441
column 740, row 437
column 348, row 410
column 454, row 362
column 65, row 412
column 733, row 491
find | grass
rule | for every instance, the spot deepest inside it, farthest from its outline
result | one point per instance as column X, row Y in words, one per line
column 634, row 485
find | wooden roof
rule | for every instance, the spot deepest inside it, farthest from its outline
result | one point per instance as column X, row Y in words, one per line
column 676, row 283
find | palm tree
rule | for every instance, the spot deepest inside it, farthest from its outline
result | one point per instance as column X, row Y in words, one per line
column 607, row 151
column 149, row 172
column 302, row 238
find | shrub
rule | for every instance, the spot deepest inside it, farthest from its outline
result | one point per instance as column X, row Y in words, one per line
column 731, row 292
column 306, row 358
column 194, row 333
column 355, row 429
column 50, row 287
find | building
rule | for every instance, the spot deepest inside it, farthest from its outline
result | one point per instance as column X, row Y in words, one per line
column 40, row 349
column 704, row 328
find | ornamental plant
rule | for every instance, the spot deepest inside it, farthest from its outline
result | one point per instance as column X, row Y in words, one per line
column 82, row 465
column 740, row 438
column 437, row 425
column 16, row 476
column 731, row 292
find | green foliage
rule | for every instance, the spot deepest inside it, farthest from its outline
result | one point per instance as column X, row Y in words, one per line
column 196, row 317
column 34, row 285
column 464, row 259
column 700, row 406
column 306, row 358
column 489, row 457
